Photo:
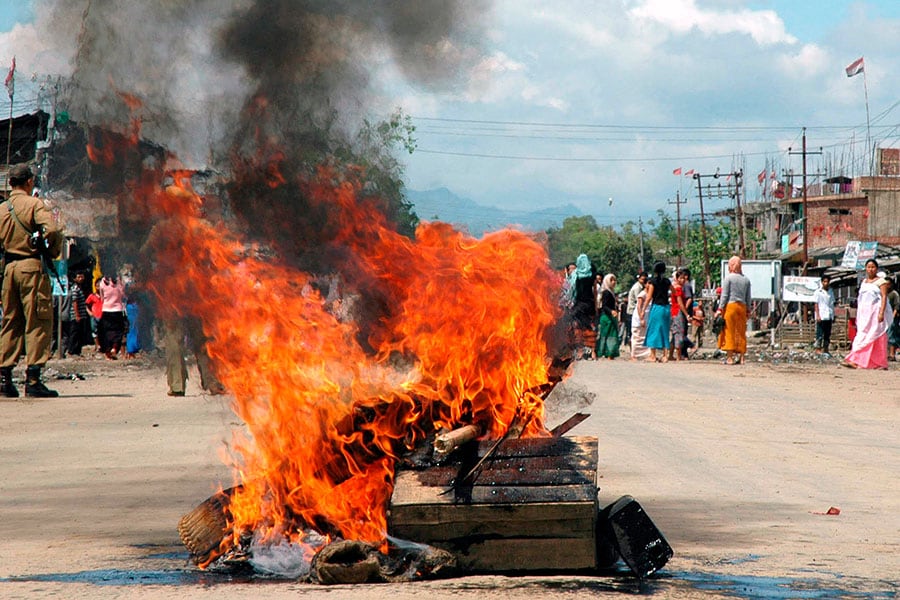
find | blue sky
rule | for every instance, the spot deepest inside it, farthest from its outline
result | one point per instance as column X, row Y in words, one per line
column 14, row 11
column 583, row 101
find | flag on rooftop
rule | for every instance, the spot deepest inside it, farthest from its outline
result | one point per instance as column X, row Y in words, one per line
column 856, row 67
column 11, row 79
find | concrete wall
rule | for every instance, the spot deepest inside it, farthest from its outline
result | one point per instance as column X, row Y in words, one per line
column 884, row 216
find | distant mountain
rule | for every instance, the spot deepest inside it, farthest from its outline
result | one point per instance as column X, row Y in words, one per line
column 443, row 205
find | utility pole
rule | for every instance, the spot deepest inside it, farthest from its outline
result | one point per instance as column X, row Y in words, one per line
column 706, row 278
column 678, row 202
column 719, row 192
column 641, row 234
column 738, row 179
column 805, row 153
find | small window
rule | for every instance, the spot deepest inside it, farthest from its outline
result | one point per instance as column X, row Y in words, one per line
column 839, row 211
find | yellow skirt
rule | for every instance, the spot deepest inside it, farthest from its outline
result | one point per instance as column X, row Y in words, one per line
column 734, row 337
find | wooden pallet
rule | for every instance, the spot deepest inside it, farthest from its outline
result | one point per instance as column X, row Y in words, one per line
column 791, row 334
column 533, row 506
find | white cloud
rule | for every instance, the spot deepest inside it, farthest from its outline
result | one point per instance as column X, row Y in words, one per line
column 810, row 61
column 682, row 16
column 578, row 27
column 34, row 53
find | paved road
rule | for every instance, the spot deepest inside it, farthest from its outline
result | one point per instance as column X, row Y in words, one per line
column 732, row 463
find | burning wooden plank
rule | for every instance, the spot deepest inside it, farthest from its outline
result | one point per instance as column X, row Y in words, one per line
column 531, row 498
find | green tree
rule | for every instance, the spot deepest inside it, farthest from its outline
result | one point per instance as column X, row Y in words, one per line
column 375, row 150
column 575, row 237
column 611, row 251
column 666, row 233
column 721, row 239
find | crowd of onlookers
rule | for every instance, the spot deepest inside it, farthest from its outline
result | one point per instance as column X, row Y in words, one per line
column 98, row 314
column 662, row 320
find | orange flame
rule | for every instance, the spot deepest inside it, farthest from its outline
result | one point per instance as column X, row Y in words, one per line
column 326, row 420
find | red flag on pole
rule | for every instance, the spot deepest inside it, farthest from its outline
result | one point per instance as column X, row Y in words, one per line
column 677, row 171
column 761, row 177
column 691, row 172
column 11, row 79
column 856, row 67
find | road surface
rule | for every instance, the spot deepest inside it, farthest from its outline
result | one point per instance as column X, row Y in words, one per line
column 735, row 464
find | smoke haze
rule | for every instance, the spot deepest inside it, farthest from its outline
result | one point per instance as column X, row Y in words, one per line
column 198, row 64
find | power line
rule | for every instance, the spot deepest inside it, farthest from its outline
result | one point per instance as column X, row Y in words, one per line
column 634, row 127
column 585, row 160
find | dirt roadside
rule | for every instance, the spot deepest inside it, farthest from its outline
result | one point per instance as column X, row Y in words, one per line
column 732, row 463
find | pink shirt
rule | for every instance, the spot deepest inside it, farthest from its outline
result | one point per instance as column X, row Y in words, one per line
column 112, row 294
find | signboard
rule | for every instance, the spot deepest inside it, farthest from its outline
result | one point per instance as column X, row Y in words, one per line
column 764, row 276
column 857, row 253
column 62, row 268
column 799, row 289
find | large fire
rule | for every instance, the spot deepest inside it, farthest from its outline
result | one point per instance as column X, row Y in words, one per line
column 326, row 419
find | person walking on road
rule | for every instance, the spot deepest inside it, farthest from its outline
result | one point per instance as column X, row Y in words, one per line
column 25, row 224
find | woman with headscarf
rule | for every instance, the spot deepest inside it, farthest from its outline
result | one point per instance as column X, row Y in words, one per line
column 733, row 305
column 658, row 314
column 873, row 318
column 608, row 321
column 583, row 309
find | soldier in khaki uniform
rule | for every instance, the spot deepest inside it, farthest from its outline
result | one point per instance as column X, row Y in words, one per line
column 27, row 304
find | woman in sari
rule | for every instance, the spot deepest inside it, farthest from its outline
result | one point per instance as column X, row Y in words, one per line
column 873, row 319
column 608, row 322
column 639, row 328
column 733, row 305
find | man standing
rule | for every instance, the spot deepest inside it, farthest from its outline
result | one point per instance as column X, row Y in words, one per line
column 27, row 305
column 79, row 323
column 824, row 299
column 632, row 303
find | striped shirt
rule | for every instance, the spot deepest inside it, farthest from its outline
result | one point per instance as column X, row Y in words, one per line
column 77, row 306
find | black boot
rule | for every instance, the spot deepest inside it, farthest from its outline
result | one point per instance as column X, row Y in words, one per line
column 7, row 387
column 33, row 385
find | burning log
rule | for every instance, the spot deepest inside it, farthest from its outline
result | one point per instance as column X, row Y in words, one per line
column 446, row 443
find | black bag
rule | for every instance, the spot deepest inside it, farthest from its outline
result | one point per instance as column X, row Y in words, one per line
column 718, row 325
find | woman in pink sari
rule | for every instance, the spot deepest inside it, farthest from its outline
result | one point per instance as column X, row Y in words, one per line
column 873, row 319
